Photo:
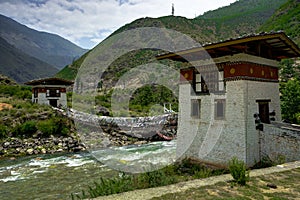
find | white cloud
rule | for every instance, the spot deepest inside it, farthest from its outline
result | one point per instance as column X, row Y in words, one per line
column 88, row 22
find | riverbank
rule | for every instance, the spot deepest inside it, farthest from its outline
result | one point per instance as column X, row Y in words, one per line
column 12, row 147
column 29, row 129
column 111, row 133
column 281, row 181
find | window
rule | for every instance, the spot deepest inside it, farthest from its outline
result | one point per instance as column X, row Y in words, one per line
column 35, row 92
column 210, row 81
column 53, row 93
column 221, row 81
column 195, row 108
column 198, row 87
column 219, row 109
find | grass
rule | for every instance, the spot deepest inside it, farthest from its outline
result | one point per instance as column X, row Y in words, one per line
column 178, row 172
column 288, row 187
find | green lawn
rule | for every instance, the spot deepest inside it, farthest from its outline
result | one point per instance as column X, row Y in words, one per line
column 288, row 187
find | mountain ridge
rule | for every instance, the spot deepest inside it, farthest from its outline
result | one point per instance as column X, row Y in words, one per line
column 206, row 28
column 47, row 47
column 20, row 66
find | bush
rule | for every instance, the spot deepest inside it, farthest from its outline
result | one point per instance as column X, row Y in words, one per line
column 3, row 131
column 203, row 173
column 107, row 187
column 238, row 170
column 28, row 128
column 154, row 179
column 168, row 175
column 53, row 126
column 22, row 92
column 47, row 127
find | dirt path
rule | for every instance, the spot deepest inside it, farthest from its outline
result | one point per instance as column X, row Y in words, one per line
column 184, row 186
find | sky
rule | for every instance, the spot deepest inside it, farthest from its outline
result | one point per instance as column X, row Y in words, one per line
column 88, row 22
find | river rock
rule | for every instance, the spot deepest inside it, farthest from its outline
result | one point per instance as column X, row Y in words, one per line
column 29, row 151
column 59, row 150
column 140, row 142
column 6, row 144
column 43, row 151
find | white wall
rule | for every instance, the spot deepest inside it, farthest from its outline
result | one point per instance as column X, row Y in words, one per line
column 42, row 99
column 258, row 91
column 238, row 136
column 210, row 140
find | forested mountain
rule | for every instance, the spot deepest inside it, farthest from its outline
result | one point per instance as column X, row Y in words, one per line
column 286, row 18
column 244, row 17
column 240, row 18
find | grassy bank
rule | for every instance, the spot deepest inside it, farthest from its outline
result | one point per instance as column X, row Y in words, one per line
column 283, row 185
column 27, row 128
column 23, row 119
column 185, row 174
column 181, row 171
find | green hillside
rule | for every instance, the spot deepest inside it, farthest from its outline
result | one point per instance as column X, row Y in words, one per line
column 69, row 72
column 240, row 18
column 286, row 18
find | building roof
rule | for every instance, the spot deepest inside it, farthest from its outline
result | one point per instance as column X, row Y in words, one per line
column 275, row 46
column 49, row 81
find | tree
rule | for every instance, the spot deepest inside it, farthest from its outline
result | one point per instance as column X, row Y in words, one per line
column 290, row 100
column 290, row 90
column 289, row 69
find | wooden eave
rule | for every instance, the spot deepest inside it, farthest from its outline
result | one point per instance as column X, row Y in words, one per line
column 275, row 46
column 49, row 81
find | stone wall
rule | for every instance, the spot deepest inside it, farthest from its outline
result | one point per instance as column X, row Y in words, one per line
column 280, row 142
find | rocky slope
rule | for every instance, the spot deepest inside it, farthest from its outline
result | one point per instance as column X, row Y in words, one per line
column 21, row 67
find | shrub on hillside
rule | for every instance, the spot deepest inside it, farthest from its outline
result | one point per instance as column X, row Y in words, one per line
column 53, row 126
column 3, row 131
column 21, row 92
column 27, row 129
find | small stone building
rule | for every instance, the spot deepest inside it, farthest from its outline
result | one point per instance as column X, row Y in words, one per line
column 228, row 92
column 50, row 91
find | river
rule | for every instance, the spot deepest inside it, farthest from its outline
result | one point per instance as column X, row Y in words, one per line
column 57, row 176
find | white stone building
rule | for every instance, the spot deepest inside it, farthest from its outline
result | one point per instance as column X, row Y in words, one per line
column 227, row 86
column 50, row 91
